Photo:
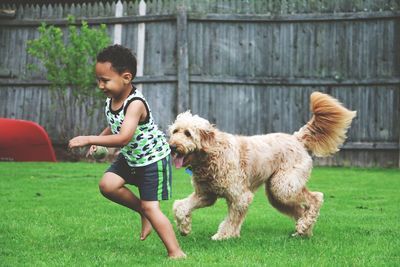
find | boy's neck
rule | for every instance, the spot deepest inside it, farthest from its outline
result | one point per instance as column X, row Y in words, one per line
column 124, row 94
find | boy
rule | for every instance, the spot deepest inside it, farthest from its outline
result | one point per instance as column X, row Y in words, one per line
column 144, row 159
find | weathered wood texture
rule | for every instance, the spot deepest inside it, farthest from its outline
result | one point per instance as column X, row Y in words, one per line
column 247, row 66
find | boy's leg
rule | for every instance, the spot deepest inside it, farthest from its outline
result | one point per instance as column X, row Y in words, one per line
column 155, row 186
column 163, row 228
column 113, row 187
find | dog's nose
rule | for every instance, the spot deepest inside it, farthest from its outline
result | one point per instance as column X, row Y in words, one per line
column 173, row 148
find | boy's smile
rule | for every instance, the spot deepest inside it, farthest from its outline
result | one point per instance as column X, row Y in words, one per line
column 110, row 82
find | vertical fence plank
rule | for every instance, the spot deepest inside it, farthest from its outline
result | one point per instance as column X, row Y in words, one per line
column 183, row 97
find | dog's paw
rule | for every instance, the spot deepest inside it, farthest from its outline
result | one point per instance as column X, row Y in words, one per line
column 219, row 236
column 185, row 229
column 301, row 235
column 179, row 210
column 295, row 235
column 182, row 218
column 184, row 225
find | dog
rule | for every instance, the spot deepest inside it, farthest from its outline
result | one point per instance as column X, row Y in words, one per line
column 234, row 167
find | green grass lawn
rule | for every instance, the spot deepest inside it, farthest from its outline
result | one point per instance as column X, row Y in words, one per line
column 53, row 215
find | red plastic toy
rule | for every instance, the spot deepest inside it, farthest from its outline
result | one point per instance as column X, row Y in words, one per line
column 22, row 140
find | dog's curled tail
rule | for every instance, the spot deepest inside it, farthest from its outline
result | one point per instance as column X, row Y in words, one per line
column 327, row 128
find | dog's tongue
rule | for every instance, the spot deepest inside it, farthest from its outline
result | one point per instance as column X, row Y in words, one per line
column 178, row 162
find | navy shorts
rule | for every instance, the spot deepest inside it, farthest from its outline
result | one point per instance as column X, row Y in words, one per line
column 154, row 181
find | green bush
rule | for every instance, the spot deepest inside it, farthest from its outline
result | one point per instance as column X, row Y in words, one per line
column 70, row 63
column 69, row 60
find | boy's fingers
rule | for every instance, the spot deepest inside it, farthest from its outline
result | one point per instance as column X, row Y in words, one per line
column 70, row 147
column 91, row 150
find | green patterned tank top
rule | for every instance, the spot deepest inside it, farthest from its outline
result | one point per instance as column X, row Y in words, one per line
column 148, row 144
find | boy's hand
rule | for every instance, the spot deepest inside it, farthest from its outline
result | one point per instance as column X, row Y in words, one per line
column 92, row 149
column 79, row 141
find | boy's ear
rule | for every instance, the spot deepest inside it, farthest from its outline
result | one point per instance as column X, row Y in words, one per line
column 127, row 77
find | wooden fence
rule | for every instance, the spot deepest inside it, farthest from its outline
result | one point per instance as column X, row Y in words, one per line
column 247, row 66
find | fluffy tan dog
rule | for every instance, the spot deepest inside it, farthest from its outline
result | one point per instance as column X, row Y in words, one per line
column 233, row 167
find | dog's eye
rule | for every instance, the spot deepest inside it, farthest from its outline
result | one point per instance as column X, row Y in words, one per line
column 175, row 131
column 187, row 133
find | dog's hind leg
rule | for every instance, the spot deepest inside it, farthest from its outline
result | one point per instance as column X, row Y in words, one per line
column 286, row 192
column 183, row 210
column 237, row 208
column 311, row 203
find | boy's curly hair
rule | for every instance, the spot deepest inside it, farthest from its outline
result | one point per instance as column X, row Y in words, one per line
column 120, row 57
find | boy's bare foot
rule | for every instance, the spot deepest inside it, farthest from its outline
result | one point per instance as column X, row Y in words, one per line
column 146, row 228
column 177, row 255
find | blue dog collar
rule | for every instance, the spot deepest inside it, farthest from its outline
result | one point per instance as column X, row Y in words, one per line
column 188, row 170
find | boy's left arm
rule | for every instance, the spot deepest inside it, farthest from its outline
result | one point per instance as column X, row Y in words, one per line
column 135, row 111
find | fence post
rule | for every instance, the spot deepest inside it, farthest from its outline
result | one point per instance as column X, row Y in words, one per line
column 140, row 44
column 118, row 27
column 183, row 96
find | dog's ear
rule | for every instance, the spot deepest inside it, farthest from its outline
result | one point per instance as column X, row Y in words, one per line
column 170, row 129
column 207, row 139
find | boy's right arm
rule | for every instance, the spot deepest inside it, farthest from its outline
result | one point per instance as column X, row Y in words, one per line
column 106, row 131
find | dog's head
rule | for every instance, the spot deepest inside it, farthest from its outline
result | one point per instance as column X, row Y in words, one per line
column 189, row 134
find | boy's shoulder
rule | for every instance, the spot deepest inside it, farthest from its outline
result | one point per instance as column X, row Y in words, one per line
column 137, row 93
column 134, row 94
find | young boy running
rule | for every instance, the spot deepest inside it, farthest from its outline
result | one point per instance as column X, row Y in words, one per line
column 144, row 159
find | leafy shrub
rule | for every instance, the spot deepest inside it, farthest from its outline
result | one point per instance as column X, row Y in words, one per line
column 69, row 60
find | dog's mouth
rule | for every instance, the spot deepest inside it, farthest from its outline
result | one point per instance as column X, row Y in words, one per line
column 180, row 160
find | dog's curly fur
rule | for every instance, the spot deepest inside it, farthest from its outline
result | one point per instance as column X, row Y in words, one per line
column 233, row 167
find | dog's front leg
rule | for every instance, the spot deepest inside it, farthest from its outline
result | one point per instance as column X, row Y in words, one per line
column 183, row 210
column 237, row 210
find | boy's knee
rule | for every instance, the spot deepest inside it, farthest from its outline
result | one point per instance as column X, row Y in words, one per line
column 105, row 187
column 110, row 183
column 149, row 206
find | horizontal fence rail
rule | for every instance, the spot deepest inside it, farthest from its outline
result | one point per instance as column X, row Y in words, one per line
column 229, row 18
column 233, row 80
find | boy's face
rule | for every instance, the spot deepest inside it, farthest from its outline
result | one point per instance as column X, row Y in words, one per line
column 111, row 82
